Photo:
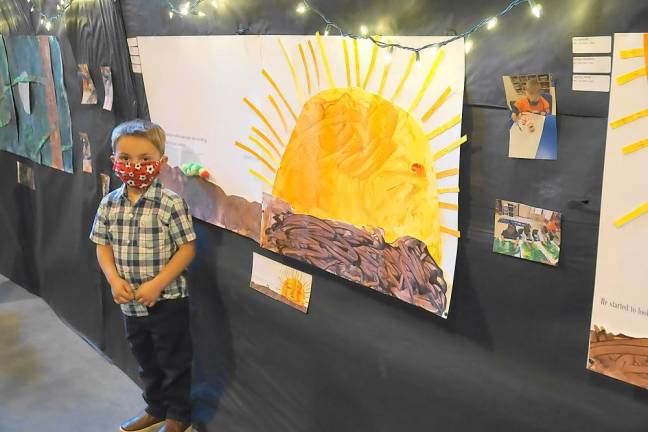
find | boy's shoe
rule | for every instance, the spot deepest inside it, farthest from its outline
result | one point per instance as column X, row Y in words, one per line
column 143, row 422
column 175, row 426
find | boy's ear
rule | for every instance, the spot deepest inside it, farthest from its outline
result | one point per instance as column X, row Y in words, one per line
column 164, row 160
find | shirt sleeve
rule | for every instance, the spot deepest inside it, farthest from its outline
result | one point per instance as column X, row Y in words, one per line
column 181, row 227
column 99, row 233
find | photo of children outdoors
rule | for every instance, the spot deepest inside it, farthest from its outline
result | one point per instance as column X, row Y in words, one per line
column 532, row 101
column 527, row 232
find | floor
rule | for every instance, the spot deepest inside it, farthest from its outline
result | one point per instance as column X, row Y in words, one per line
column 50, row 378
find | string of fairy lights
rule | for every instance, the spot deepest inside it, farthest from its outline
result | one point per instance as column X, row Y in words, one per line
column 195, row 8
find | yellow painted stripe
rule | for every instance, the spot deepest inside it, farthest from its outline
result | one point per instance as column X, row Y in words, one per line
column 256, row 155
column 428, row 79
column 293, row 72
column 279, row 113
column 631, row 148
column 448, row 190
column 444, row 127
column 264, row 120
column 450, row 231
column 372, row 64
column 312, row 51
column 357, row 61
column 447, row 173
column 642, row 209
column 406, row 75
column 627, row 119
column 325, row 60
column 630, row 53
column 383, row 80
column 264, row 148
column 279, row 92
column 303, row 58
column 626, row 78
column 265, row 138
column 435, row 106
column 448, row 206
column 455, row 145
column 261, row 177
column 346, row 62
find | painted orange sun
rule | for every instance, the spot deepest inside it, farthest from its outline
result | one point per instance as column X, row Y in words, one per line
column 354, row 155
column 294, row 287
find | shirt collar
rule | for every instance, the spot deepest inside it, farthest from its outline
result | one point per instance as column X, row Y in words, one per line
column 153, row 193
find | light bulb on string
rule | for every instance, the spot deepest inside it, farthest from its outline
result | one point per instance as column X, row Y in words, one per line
column 184, row 9
column 364, row 30
column 536, row 10
column 492, row 23
column 418, row 59
column 301, row 8
column 48, row 25
column 201, row 14
column 468, row 46
column 170, row 14
column 387, row 57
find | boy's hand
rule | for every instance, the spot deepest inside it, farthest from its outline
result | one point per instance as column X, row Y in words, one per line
column 148, row 294
column 122, row 291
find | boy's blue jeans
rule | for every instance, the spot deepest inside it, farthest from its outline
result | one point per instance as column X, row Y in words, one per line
column 161, row 344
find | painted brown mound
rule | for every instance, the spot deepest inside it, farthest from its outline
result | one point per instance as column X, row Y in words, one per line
column 208, row 202
column 403, row 269
column 619, row 356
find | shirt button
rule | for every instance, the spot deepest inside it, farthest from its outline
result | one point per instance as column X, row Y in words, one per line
column 130, row 214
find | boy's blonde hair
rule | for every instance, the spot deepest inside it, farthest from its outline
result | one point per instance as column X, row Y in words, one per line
column 141, row 128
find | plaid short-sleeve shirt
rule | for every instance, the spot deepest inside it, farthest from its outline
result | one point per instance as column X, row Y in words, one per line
column 144, row 236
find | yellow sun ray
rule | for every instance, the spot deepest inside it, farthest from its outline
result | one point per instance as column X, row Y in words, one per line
column 442, row 191
column 450, row 231
column 264, row 120
column 357, row 61
column 279, row 92
column 279, row 113
column 406, row 75
column 447, row 173
column 303, row 57
column 428, row 79
column 630, row 118
column 265, row 138
column 261, row 177
column 631, row 148
column 325, row 60
column 448, row 206
column 256, row 155
column 312, row 51
column 444, row 127
column 372, row 64
column 444, row 151
column 630, row 53
column 642, row 209
column 293, row 72
column 435, row 106
column 264, row 149
column 383, row 80
column 346, row 62
column 626, row 78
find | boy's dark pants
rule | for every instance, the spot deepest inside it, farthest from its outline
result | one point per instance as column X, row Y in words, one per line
column 161, row 344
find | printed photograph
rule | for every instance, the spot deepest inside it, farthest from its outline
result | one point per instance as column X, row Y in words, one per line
column 89, row 96
column 106, row 76
column 105, row 183
column 281, row 282
column 532, row 101
column 87, row 152
column 25, row 175
column 527, row 232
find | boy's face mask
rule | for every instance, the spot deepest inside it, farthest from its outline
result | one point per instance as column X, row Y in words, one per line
column 137, row 175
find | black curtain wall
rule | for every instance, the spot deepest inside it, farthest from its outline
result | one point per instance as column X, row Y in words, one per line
column 510, row 357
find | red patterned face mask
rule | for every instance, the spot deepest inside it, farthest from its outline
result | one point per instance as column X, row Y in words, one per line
column 138, row 175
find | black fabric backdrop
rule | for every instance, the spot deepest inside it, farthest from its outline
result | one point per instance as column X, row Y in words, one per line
column 511, row 356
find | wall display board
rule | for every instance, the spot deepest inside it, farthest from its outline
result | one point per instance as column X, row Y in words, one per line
column 351, row 152
column 34, row 112
column 619, row 331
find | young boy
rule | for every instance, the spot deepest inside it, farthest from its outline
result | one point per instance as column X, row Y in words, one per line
column 145, row 241
column 533, row 102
